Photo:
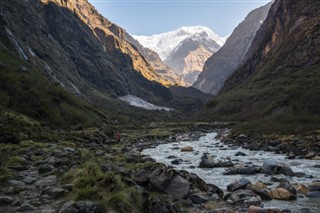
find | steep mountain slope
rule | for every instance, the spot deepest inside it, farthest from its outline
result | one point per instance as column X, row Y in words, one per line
column 154, row 60
column 223, row 63
column 185, row 49
column 280, row 81
column 74, row 46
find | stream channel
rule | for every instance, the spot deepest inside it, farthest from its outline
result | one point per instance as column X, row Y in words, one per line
column 214, row 147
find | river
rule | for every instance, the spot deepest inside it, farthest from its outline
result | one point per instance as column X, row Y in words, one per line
column 214, row 147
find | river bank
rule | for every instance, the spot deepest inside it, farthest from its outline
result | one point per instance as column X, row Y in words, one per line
column 91, row 171
column 242, row 167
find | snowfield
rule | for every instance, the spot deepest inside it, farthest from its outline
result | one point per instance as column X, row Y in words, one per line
column 138, row 102
column 165, row 43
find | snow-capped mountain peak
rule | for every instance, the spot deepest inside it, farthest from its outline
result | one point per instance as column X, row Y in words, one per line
column 165, row 43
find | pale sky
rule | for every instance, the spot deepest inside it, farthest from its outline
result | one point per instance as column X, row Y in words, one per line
column 148, row 17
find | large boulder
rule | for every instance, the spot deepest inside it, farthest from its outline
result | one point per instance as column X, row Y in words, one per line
column 250, row 170
column 198, row 199
column 272, row 167
column 263, row 193
column 302, row 189
column 314, row 186
column 170, row 182
column 315, row 194
column 286, row 185
column 246, row 197
column 81, row 207
column 178, row 187
column 239, row 184
column 45, row 168
column 281, row 194
column 214, row 163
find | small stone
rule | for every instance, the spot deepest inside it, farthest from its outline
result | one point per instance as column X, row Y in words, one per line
column 198, row 199
column 6, row 200
column 26, row 206
column 240, row 154
column 302, row 189
column 29, row 179
column 239, row 184
column 187, row 149
column 260, row 185
column 256, row 209
column 315, row 194
column 281, row 194
column 81, row 206
column 305, row 210
column 310, row 155
column 45, row 168
column 314, row 186
column 176, row 161
column 16, row 183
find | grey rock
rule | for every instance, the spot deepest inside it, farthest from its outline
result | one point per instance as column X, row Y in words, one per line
column 158, row 206
column 271, row 167
column 54, row 192
column 286, row 185
column 6, row 200
column 239, row 184
column 207, row 163
column 29, row 179
column 81, row 207
column 69, row 149
column 106, row 167
column 176, row 161
column 178, row 187
column 247, row 197
column 45, row 168
column 314, row 187
column 240, row 154
column 242, row 171
column 213, row 189
column 305, row 210
column 26, row 206
column 198, row 199
column 16, row 183
column 315, row 194
column 171, row 157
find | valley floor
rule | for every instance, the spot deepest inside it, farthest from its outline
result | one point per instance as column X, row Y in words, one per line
column 89, row 171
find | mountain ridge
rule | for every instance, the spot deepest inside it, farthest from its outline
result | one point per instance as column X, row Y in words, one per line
column 277, row 87
column 224, row 62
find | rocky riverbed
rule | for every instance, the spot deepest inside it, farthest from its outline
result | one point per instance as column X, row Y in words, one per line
column 98, row 175
column 248, row 178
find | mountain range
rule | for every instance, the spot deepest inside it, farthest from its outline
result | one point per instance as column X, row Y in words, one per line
column 185, row 49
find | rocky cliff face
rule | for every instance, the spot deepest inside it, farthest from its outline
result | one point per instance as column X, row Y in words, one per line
column 223, row 63
column 189, row 57
column 155, row 61
column 74, row 46
column 280, row 77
